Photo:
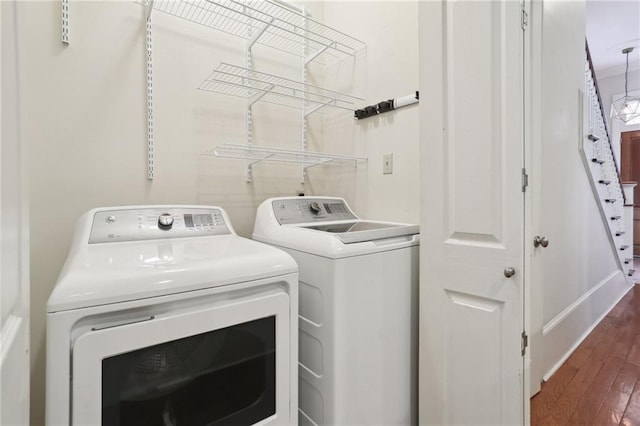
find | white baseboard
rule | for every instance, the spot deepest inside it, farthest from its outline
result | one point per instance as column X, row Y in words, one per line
column 562, row 335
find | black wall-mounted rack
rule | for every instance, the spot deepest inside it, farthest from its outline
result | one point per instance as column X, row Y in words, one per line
column 386, row 106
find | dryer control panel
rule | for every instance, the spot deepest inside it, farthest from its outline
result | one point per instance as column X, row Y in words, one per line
column 311, row 209
column 156, row 223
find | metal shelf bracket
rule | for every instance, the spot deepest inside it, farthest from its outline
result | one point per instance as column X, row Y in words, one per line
column 255, row 98
column 65, row 21
column 254, row 38
column 149, row 46
column 315, row 108
column 319, row 52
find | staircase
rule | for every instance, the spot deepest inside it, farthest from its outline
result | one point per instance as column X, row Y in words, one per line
column 603, row 172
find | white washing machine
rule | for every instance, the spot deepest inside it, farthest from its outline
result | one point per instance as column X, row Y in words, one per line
column 358, row 310
column 162, row 315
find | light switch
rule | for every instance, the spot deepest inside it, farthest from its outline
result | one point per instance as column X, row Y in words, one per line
column 387, row 164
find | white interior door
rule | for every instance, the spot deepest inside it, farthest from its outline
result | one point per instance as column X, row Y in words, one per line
column 14, row 266
column 472, row 226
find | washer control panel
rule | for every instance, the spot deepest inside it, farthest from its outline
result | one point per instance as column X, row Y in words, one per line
column 156, row 223
column 311, row 209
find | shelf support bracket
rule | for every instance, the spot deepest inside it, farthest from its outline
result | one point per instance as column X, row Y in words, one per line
column 319, row 52
column 254, row 38
column 303, row 139
column 314, row 165
column 261, row 159
column 250, row 164
column 315, row 108
column 149, row 46
column 255, row 98
column 149, row 9
column 65, row 21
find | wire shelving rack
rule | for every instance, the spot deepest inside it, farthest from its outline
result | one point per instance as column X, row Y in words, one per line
column 270, row 23
column 280, row 26
column 259, row 153
column 259, row 86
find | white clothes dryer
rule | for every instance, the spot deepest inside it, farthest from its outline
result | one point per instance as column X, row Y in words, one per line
column 162, row 315
column 358, row 310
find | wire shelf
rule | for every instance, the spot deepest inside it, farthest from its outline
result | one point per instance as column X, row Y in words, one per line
column 258, row 86
column 257, row 153
column 265, row 22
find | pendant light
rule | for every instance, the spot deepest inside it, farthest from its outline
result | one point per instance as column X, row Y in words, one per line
column 627, row 107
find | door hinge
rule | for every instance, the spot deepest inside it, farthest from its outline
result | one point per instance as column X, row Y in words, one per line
column 525, row 180
column 524, row 343
column 524, row 17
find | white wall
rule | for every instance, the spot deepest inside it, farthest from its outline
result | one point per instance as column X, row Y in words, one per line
column 390, row 70
column 84, row 124
column 579, row 275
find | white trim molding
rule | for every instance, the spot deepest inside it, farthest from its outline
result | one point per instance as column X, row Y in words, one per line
column 590, row 308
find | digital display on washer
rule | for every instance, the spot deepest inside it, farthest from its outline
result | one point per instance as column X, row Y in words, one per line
column 191, row 220
column 351, row 227
column 335, row 208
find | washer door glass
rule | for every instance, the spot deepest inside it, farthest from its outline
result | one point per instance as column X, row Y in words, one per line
column 225, row 376
column 227, row 362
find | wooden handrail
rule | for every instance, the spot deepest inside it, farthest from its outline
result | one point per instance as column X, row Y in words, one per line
column 604, row 116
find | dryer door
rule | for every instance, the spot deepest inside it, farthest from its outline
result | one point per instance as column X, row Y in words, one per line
column 214, row 365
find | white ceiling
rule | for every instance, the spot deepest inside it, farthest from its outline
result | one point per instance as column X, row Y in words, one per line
column 613, row 25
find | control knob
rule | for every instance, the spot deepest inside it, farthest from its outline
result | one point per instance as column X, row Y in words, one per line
column 314, row 207
column 165, row 221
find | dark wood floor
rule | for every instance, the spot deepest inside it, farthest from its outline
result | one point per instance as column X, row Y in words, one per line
column 600, row 382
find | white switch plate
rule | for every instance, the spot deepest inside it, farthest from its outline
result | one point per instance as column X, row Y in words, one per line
column 387, row 164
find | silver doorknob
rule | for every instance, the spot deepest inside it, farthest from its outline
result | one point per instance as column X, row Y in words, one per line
column 509, row 271
column 540, row 241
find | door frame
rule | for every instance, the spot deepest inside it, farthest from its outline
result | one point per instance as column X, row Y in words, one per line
column 623, row 154
column 14, row 234
column 626, row 168
column 533, row 132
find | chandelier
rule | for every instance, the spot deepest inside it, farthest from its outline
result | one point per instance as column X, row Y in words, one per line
column 627, row 107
